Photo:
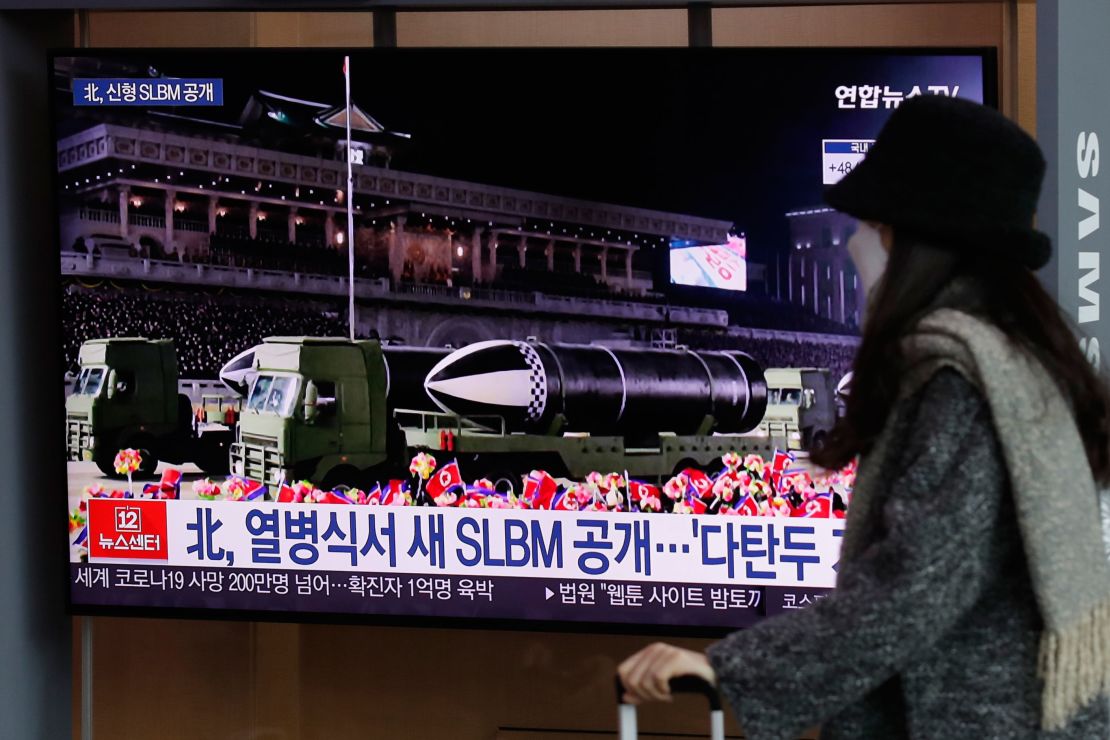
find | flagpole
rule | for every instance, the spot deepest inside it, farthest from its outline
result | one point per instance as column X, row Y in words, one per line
column 350, row 206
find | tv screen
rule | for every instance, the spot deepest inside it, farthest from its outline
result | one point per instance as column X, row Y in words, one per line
column 528, row 337
column 721, row 266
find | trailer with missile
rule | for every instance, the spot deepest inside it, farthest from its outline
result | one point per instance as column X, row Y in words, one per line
column 126, row 396
column 336, row 412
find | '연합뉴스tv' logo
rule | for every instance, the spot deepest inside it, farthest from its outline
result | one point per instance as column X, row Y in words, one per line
column 129, row 529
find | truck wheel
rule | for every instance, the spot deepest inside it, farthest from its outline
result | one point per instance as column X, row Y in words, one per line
column 343, row 475
column 107, row 467
column 683, row 464
column 150, row 460
column 818, row 442
column 379, row 475
column 214, row 464
column 107, row 463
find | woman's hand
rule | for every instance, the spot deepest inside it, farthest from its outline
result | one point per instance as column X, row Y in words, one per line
column 647, row 674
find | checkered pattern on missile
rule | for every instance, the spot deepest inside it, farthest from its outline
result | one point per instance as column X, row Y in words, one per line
column 537, row 381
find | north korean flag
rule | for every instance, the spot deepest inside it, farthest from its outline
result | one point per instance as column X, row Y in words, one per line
column 639, row 491
column 818, row 507
column 334, row 497
column 445, row 479
column 539, row 490
column 168, row 487
column 255, row 491
column 779, row 464
column 394, row 495
column 285, row 494
column 700, row 483
column 374, row 495
column 748, row 506
column 564, row 502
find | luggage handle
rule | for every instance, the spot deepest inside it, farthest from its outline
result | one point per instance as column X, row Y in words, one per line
column 626, row 713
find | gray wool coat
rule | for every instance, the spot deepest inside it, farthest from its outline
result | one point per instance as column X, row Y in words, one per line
column 932, row 632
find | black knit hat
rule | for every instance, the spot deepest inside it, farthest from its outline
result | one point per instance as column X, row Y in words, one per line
column 955, row 171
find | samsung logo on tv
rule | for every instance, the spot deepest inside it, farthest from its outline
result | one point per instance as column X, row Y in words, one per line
column 1086, row 161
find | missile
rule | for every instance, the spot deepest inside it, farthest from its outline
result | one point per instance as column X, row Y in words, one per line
column 600, row 390
column 844, row 387
column 405, row 370
column 238, row 373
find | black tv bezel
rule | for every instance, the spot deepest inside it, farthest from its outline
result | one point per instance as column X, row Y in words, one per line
column 991, row 95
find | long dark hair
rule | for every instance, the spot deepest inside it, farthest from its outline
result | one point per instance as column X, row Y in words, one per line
column 1008, row 295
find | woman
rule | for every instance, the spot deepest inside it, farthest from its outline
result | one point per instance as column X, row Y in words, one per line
column 973, row 596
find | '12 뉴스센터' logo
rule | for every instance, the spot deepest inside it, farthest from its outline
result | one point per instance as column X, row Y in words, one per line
column 128, row 529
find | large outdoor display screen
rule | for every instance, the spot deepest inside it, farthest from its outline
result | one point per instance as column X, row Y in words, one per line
column 540, row 336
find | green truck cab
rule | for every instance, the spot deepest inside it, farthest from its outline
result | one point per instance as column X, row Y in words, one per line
column 801, row 406
column 316, row 410
column 126, row 396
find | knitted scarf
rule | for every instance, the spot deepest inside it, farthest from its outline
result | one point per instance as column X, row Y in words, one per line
column 1055, row 497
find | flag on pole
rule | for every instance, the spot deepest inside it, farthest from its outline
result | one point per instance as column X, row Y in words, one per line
column 779, row 464
column 350, row 207
column 819, row 507
column 748, row 506
column 539, row 490
column 447, row 478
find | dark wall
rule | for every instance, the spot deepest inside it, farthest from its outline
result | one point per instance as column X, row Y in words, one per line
column 35, row 681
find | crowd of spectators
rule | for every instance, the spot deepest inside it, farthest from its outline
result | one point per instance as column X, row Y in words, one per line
column 207, row 330
column 745, row 309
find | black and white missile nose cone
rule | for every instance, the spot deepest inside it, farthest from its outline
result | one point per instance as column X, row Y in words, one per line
column 498, row 377
column 238, row 373
column 844, row 387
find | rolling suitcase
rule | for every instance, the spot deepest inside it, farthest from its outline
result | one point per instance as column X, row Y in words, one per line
column 626, row 713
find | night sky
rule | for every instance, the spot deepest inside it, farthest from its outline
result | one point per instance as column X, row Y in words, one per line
column 732, row 134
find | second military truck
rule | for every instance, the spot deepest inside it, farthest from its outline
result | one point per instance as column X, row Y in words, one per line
column 126, row 396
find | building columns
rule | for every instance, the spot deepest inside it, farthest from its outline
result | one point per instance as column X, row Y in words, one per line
column 628, row 267
column 292, row 236
column 492, row 256
column 605, row 264
column 578, row 257
column 329, row 228
column 396, row 248
column 476, row 255
column 816, row 292
column 213, row 203
column 550, row 255
column 124, row 204
column 790, row 279
column 522, row 251
column 840, row 291
column 252, row 221
column 171, row 197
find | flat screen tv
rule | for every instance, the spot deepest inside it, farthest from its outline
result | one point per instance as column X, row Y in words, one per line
column 536, row 338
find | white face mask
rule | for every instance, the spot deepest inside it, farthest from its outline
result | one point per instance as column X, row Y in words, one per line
column 869, row 256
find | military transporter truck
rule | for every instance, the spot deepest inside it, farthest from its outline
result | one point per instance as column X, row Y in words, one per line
column 126, row 396
column 338, row 412
column 801, row 405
